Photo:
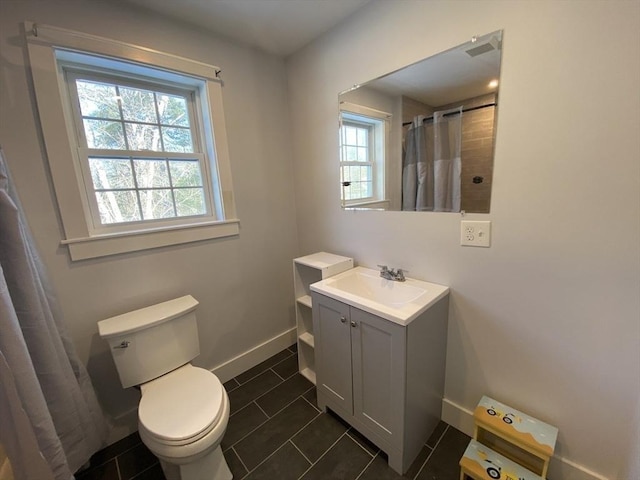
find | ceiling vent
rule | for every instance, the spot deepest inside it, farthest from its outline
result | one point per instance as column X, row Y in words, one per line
column 478, row 49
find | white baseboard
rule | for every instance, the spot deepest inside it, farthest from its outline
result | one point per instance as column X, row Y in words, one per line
column 122, row 425
column 243, row 362
column 559, row 468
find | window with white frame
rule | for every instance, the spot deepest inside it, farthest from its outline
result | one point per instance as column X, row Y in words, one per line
column 136, row 142
column 139, row 149
column 362, row 158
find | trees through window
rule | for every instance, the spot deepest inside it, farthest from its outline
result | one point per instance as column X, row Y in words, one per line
column 141, row 152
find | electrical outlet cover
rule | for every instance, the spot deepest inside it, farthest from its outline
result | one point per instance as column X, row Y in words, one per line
column 475, row 233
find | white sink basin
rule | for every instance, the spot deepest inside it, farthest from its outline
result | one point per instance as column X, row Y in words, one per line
column 363, row 288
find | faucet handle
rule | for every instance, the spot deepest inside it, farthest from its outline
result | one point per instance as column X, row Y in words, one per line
column 400, row 275
column 384, row 268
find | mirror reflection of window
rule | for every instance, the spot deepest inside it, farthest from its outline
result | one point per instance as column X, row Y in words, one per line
column 358, row 160
column 363, row 143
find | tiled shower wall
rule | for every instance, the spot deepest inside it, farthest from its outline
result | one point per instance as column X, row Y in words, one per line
column 478, row 135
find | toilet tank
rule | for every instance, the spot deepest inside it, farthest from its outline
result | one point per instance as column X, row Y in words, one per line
column 152, row 341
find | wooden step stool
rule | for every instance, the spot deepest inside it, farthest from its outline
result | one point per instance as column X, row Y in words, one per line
column 481, row 463
column 515, row 435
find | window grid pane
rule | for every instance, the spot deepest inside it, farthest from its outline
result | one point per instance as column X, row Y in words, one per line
column 189, row 201
column 185, row 173
column 357, row 181
column 157, row 203
column 111, row 173
column 118, row 117
column 118, row 206
column 138, row 189
column 177, row 139
column 137, row 105
column 141, row 136
column 98, row 100
column 151, row 173
column 172, row 110
column 104, row 134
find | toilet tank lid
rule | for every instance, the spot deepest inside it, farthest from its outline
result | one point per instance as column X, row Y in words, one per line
column 146, row 317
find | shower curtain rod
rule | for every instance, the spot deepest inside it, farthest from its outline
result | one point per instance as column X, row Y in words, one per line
column 456, row 113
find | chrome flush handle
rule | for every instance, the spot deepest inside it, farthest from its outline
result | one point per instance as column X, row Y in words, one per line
column 123, row 344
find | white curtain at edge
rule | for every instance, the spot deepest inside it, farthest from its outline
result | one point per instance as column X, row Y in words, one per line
column 50, row 420
column 432, row 163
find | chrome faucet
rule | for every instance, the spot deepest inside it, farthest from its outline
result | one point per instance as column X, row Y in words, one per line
column 392, row 274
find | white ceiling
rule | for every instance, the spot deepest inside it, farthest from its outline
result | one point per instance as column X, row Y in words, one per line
column 448, row 77
column 280, row 27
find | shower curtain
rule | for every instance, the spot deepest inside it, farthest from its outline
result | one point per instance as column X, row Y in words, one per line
column 432, row 163
column 50, row 420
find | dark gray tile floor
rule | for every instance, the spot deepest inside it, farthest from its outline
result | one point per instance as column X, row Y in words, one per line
column 276, row 432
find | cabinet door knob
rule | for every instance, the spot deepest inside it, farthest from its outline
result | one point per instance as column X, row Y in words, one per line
column 343, row 319
column 353, row 323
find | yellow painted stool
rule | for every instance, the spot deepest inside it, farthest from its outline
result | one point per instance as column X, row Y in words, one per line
column 481, row 463
column 515, row 435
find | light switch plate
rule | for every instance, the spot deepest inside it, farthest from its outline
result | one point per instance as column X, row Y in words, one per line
column 475, row 233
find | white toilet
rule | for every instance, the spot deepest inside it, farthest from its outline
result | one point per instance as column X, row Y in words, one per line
column 184, row 410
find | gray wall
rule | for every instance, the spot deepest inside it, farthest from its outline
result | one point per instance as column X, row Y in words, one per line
column 244, row 284
column 547, row 318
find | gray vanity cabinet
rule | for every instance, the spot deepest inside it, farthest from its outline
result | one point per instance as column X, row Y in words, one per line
column 383, row 378
column 333, row 358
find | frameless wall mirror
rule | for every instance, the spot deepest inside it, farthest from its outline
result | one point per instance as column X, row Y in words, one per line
column 422, row 138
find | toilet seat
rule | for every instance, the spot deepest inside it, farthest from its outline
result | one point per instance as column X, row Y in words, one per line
column 182, row 406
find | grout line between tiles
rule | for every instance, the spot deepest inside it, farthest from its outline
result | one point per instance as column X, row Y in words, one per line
column 115, row 459
column 236, row 453
column 314, row 406
column 92, row 466
column 271, row 389
column 277, row 412
column 261, row 409
column 263, row 461
column 365, row 467
column 287, row 441
column 431, row 452
column 250, row 432
column 269, row 418
column 440, row 438
column 301, row 452
column 321, row 456
column 360, row 445
column 425, row 461
column 260, row 373
column 237, row 384
column 142, row 471
column 283, row 360
column 240, row 384
column 277, row 374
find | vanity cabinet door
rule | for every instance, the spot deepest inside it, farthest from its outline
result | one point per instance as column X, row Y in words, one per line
column 378, row 356
column 331, row 325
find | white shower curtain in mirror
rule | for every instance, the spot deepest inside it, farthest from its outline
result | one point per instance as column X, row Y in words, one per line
column 447, row 163
column 417, row 167
column 431, row 163
column 50, row 420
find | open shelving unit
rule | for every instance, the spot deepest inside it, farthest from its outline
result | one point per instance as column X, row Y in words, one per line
column 307, row 270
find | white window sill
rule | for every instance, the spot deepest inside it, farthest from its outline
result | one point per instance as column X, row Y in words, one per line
column 357, row 204
column 123, row 242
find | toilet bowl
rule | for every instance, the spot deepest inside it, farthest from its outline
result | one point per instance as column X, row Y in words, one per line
column 184, row 410
column 182, row 417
